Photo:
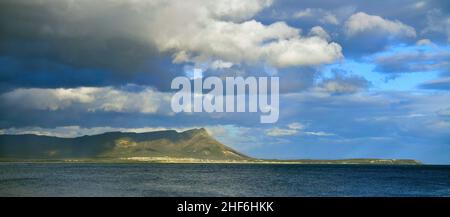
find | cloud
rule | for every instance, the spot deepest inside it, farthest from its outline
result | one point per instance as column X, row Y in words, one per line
column 444, row 112
column 292, row 129
column 296, row 126
column 363, row 34
column 51, row 99
column 392, row 120
column 361, row 22
column 83, row 34
column 340, row 84
column 308, row 12
column 218, row 64
column 323, row 16
column 437, row 84
column 248, row 42
column 76, row 131
column 437, row 22
column 297, row 79
column 439, row 126
column 419, row 5
column 320, row 32
column 424, row 42
column 414, row 59
column 281, row 132
column 320, row 133
column 107, row 99
column 199, row 31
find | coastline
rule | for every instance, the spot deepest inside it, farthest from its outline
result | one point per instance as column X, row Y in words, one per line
column 163, row 160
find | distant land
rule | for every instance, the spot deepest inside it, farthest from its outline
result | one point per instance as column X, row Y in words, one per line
column 168, row 146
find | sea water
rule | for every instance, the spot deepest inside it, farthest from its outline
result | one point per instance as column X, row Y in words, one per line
column 83, row 179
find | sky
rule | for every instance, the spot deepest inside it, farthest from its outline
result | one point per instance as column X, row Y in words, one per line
column 358, row 79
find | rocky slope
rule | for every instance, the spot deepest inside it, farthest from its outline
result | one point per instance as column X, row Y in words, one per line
column 195, row 143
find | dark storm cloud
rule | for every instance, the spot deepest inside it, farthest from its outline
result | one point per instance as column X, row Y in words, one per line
column 95, row 43
column 42, row 72
column 39, row 47
column 52, row 31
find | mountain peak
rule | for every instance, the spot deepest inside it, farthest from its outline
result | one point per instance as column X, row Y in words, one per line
column 194, row 143
column 196, row 131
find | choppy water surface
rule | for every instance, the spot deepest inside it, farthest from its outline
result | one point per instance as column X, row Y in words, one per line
column 79, row 179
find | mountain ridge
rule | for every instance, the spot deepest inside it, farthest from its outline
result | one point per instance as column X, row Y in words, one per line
column 189, row 146
column 194, row 143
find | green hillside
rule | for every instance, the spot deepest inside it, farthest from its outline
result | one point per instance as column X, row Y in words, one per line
column 196, row 143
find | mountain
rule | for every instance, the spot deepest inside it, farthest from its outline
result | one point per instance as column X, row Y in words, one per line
column 195, row 143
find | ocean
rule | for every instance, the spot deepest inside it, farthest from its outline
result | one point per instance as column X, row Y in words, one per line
column 85, row 179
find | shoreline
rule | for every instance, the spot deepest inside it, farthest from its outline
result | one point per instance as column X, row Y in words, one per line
column 205, row 161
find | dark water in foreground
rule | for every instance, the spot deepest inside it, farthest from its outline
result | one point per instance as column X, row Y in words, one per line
column 55, row 179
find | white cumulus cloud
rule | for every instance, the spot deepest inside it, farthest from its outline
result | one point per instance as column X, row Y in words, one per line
column 195, row 31
column 109, row 99
column 323, row 16
column 361, row 22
